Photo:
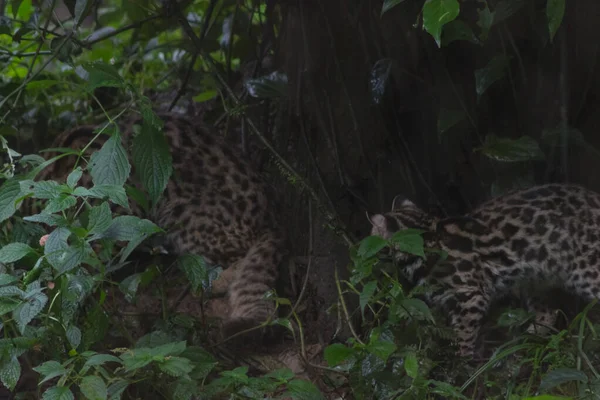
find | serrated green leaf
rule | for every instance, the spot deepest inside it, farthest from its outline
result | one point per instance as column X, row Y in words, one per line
column 43, row 189
column 152, row 160
column 555, row 11
column 491, row 73
column 101, row 359
column 109, row 165
column 409, row 241
column 74, row 177
column 370, row 246
column 415, row 308
column 50, row 370
column 60, row 203
column 48, row 219
column 10, row 192
column 10, row 372
column 299, row 389
column 411, row 365
column 169, row 349
column 337, row 353
column 14, row 252
column 381, row 348
column 93, row 387
column 524, row 148
column 366, row 295
column 195, row 268
column 6, row 279
column 102, row 75
column 437, row 13
column 58, row 393
column 176, row 366
column 129, row 227
column 73, row 336
column 100, row 219
column 270, row 86
column 114, row 193
column 558, row 376
column 389, row 4
column 117, row 388
column 7, row 291
column 25, row 312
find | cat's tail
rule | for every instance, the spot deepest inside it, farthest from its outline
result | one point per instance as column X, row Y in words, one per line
column 255, row 275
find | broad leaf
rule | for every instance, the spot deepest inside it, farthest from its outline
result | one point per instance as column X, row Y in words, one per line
column 10, row 192
column 559, row 376
column 491, row 73
column 370, row 246
column 437, row 13
column 109, row 165
column 14, row 252
column 195, row 268
column 511, row 150
column 555, row 11
column 337, row 353
column 10, row 372
column 102, row 74
column 58, row 393
column 100, row 219
column 93, row 387
column 152, row 160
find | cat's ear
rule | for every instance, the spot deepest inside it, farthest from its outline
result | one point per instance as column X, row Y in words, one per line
column 401, row 201
column 377, row 220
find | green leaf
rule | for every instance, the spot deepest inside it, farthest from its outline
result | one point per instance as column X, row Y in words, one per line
column 169, row 349
column 524, row 148
column 366, row 295
column 370, row 246
column 101, row 359
column 16, row 5
column 337, row 353
column 49, row 370
column 195, row 268
column 109, row 165
column 555, row 11
column 491, row 73
column 559, row 376
column 48, row 219
column 14, row 252
column 205, row 96
column 448, row 118
column 152, row 160
column 381, row 348
column 485, row 21
column 409, row 241
column 102, row 75
column 411, row 365
column 74, row 177
column 415, row 308
column 114, row 193
column 60, row 203
column 117, row 388
column 73, row 336
column 299, row 389
column 93, row 388
column 458, row 30
column 10, row 192
column 10, row 372
column 58, row 393
column 129, row 227
column 176, row 366
column 25, row 312
column 41, row 85
column 100, row 219
column 437, row 13
column 6, row 279
column 389, row 4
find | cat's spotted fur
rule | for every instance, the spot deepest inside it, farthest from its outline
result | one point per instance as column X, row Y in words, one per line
column 543, row 235
column 215, row 205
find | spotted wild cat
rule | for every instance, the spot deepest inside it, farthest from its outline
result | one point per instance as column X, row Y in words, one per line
column 215, row 205
column 546, row 234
